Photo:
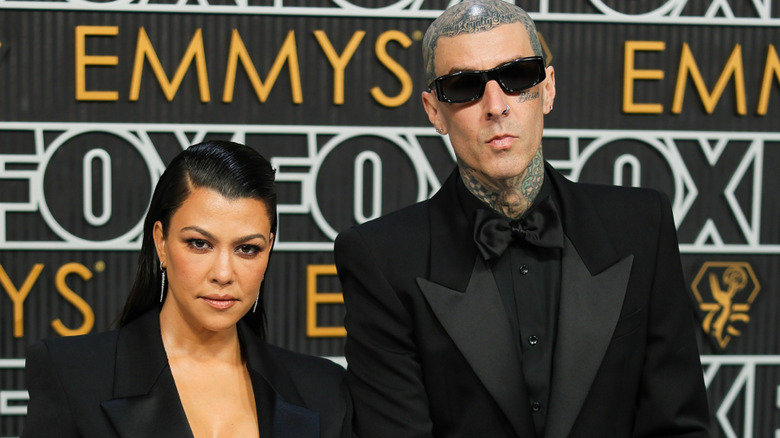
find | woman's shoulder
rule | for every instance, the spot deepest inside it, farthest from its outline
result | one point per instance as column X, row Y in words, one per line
column 75, row 349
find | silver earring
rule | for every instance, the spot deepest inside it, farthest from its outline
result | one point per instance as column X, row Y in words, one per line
column 440, row 131
column 257, row 299
column 162, row 285
column 506, row 111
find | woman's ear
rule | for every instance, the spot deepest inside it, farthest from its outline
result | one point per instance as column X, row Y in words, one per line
column 159, row 242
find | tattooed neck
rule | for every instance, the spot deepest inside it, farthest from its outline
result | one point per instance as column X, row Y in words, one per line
column 511, row 197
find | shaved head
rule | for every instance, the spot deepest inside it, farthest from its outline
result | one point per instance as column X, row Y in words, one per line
column 472, row 16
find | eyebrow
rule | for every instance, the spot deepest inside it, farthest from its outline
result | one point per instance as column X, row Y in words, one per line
column 212, row 237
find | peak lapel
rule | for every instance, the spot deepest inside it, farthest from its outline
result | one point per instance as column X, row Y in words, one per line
column 145, row 401
column 594, row 278
column 589, row 309
column 157, row 413
column 477, row 323
column 464, row 296
column 279, row 404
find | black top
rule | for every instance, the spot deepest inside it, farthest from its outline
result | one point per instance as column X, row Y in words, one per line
column 529, row 280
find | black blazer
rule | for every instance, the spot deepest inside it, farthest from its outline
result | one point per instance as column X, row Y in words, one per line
column 431, row 352
column 119, row 384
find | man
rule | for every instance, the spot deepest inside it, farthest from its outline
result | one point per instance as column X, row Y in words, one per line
column 515, row 302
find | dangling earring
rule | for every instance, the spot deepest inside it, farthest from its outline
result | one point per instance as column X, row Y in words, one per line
column 257, row 299
column 162, row 286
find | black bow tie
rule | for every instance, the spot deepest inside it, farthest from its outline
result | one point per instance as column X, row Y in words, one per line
column 541, row 227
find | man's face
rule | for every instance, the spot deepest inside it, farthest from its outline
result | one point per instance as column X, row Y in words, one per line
column 496, row 144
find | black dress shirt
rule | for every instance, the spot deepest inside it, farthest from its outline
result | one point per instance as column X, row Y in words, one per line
column 529, row 281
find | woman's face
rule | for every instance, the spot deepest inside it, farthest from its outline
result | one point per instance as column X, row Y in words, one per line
column 215, row 255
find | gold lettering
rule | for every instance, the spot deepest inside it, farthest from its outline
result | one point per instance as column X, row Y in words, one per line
column 288, row 53
column 733, row 68
column 631, row 74
column 772, row 68
column 75, row 299
column 403, row 76
column 145, row 50
column 314, row 298
column 339, row 63
column 83, row 60
column 18, row 296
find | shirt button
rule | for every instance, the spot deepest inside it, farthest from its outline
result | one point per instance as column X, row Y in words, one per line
column 536, row 406
column 524, row 270
column 533, row 340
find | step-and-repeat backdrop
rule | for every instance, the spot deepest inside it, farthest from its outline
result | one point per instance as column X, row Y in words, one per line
column 97, row 96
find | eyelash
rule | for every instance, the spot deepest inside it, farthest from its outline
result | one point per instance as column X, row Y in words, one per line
column 249, row 250
column 246, row 250
column 198, row 244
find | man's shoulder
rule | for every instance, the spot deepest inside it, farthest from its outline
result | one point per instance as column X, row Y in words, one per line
column 628, row 195
column 412, row 219
column 607, row 196
column 314, row 368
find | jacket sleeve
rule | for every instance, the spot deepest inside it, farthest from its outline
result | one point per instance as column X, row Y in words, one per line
column 48, row 410
column 384, row 373
column 672, row 399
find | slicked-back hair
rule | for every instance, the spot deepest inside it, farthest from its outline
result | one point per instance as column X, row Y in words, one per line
column 473, row 16
column 234, row 171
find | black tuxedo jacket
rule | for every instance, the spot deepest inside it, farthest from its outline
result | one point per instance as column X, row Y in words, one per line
column 119, row 384
column 431, row 353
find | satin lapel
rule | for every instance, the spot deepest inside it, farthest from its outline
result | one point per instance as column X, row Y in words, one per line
column 452, row 244
column 280, row 410
column 589, row 310
column 477, row 323
column 475, row 320
column 145, row 401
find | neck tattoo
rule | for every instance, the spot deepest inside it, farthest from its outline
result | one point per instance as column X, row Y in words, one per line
column 511, row 197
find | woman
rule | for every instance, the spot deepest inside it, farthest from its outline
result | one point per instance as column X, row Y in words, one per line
column 189, row 357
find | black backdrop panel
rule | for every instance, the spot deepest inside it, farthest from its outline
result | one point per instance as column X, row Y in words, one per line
column 678, row 102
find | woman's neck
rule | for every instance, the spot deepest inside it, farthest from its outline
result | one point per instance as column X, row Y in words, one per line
column 183, row 339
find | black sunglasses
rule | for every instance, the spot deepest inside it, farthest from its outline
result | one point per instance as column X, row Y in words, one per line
column 513, row 77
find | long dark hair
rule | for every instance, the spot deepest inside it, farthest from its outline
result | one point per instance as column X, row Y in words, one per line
column 232, row 170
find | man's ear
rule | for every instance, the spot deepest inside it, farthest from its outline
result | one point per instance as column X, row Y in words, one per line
column 548, row 90
column 431, row 105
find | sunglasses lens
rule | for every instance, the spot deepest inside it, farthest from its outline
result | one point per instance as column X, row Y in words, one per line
column 462, row 88
column 521, row 75
column 513, row 77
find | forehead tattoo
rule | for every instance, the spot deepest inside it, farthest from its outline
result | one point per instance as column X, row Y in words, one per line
column 472, row 16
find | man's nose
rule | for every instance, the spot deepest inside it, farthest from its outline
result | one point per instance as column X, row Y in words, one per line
column 494, row 100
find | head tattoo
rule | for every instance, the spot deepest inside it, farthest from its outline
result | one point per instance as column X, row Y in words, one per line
column 472, row 16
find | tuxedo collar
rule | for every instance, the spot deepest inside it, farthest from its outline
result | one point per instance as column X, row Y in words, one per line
column 451, row 237
column 451, row 230
column 581, row 223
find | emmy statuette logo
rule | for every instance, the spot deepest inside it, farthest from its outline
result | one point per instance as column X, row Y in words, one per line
column 725, row 292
